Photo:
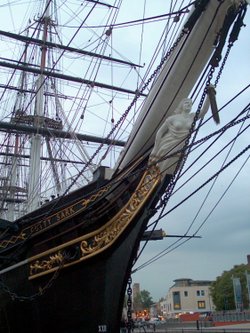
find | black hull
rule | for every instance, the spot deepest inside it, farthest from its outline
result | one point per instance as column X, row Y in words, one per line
column 65, row 267
column 78, row 295
column 81, row 299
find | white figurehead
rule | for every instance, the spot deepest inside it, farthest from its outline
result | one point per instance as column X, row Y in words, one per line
column 171, row 137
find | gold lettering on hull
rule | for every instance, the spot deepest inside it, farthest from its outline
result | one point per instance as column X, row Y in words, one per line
column 99, row 240
column 54, row 219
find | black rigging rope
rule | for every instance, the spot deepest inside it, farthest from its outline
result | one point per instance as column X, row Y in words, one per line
column 201, row 141
column 151, row 19
column 164, row 252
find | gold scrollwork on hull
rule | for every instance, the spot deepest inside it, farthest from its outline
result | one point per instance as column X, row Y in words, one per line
column 99, row 240
column 105, row 237
column 48, row 264
column 54, row 219
column 5, row 243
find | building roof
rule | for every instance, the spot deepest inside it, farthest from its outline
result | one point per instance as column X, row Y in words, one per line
column 186, row 282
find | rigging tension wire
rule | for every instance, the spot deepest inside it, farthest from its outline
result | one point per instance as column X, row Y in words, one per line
column 184, row 10
column 170, row 248
column 221, row 131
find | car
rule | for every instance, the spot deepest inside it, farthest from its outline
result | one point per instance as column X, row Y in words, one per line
column 154, row 320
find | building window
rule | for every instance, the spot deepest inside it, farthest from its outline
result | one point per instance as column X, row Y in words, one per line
column 177, row 300
column 186, row 293
column 201, row 304
column 200, row 292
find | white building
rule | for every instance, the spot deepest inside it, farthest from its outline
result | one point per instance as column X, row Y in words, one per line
column 187, row 295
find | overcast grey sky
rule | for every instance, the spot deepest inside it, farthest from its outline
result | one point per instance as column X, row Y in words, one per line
column 226, row 232
column 225, row 235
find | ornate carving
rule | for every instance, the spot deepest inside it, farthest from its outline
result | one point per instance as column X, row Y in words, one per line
column 41, row 266
column 171, row 137
column 54, row 219
column 99, row 240
column 12, row 240
column 106, row 236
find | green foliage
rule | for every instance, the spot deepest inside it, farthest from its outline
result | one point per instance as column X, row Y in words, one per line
column 222, row 288
column 142, row 301
column 137, row 302
column 146, row 299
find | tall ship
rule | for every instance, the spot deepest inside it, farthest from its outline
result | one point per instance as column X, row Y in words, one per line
column 94, row 140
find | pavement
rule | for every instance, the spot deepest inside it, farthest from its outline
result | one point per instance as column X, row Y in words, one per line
column 244, row 326
column 233, row 328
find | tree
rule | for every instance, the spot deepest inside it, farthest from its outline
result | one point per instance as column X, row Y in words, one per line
column 146, row 299
column 142, row 301
column 137, row 302
column 222, row 288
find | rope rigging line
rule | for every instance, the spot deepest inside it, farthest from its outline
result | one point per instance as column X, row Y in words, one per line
column 203, row 140
column 79, row 175
column 119, row 121
column 183, row 10
column 138, row 172
column 203, row 166
column 208, row 180
column 197, row 231
column 53, row 64
column 170, row 248
column 191, row 145
column 191, row 177
column 20, row 59
column 187, row 147
column 222, row 131
column 224, row 193
column 213, row 184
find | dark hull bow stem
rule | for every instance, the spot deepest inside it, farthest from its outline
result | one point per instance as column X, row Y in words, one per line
column 84, row 277
column 65, row 266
